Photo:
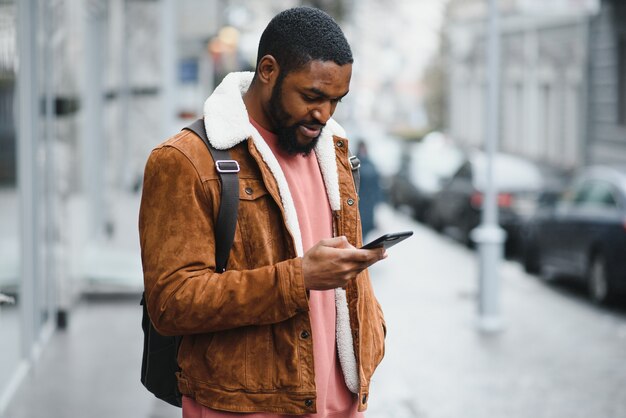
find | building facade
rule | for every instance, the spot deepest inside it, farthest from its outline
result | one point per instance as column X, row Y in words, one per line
column 606, row 129
column 98, row 85
column 552, row 80
column 81, row 85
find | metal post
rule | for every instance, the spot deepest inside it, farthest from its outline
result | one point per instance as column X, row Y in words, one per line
column 169, row 62
column 92, row 140
column 50, row 178
column 27, row 112
column 123, row 138
column 489, row 235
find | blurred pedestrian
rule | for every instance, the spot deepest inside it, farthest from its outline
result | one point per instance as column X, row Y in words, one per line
column 291, row 326
column 370, row 193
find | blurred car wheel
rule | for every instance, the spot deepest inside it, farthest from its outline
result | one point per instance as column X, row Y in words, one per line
column 598, row 283
column 466, row 232
column 530, row 258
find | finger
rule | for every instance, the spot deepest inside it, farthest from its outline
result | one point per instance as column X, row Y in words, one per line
column 336, row 242
column 369, row 256
column 353, row 262
column 379, row 254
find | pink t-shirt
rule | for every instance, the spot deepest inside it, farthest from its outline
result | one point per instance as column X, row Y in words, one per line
column 307, row 189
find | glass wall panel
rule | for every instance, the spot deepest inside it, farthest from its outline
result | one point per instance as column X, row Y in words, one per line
column 10, row 335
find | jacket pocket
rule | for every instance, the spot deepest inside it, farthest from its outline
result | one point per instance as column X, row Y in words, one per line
column 259, row 358
column 372, row 340
column 257, row 211
column 273, row 358
column 224, row 360
column 244, row 359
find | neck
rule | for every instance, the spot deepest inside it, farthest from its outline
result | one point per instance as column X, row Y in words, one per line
column 253, row 99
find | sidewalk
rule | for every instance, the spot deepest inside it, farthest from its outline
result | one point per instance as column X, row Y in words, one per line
column 92, row 369
column 559, row 356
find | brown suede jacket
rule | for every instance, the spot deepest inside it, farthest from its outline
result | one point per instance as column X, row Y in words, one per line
column 244, row 349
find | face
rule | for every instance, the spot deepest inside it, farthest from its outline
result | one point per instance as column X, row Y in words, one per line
column 302, row 102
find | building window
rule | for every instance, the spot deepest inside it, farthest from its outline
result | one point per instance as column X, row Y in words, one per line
column 621, row 78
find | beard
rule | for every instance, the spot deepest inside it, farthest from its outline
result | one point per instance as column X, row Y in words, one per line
column 287, row 139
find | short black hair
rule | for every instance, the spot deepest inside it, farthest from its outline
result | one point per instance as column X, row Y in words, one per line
column 297, row 36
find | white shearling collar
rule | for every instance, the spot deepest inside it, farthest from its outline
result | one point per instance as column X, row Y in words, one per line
column 225, row 116
column 227, row 124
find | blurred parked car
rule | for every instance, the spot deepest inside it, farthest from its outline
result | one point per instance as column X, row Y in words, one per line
column 425, row 168
column 520, row 184
column 583, row 235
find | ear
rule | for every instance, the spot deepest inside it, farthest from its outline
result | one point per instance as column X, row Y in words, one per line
column 268, row 70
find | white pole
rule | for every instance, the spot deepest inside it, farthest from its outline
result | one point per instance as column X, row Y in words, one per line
column 124, row 147
column 169, row 64
column 28, row 118
column 489, row 236
column 93, row 144
column 52, row 220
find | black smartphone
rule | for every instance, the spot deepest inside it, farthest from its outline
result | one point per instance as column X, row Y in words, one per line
column 388, row 240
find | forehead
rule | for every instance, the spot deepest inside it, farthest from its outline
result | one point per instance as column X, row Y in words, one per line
column 326, row 76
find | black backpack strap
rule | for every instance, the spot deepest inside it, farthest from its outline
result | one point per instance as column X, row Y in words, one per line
column 227, row 170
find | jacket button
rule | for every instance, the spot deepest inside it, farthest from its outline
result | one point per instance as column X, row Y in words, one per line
column 304, row 334
column 364, row 400
column 248, row 190
column 339, row 144
column 308, row 403
column 350, row 202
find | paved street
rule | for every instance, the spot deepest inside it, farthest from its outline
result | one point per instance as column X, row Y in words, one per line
column 558, row 356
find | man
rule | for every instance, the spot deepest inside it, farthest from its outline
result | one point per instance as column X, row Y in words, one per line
column 371, row 194
column 292, row 326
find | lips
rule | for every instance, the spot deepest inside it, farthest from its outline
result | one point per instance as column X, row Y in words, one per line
column 310, row 131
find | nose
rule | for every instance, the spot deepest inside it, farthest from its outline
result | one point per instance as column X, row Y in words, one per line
column 323, row 112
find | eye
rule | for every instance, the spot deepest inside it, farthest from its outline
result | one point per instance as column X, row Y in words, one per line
column 309, row 98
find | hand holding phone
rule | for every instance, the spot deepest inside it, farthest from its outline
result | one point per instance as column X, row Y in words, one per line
column 333, row 262
column 388, row 240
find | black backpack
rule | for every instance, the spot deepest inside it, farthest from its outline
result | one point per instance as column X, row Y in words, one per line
column 159, row 363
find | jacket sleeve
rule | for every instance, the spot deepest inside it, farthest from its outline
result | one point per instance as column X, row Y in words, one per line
column 184, row 294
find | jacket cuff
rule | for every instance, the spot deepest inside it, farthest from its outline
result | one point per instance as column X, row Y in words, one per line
column 293, row 289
